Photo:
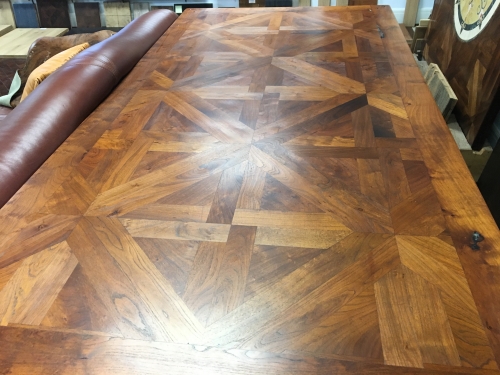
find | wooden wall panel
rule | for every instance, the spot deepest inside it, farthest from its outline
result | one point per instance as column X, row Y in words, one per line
column 363, row 2
column 53, row 13
column 139, row 9
column 168, row 7
column 258, row 3
column 246, row 4
column 471, row 68
column 6, row 15
column 87, row 15
column 117, row 14
column 411, row 10
column 489, row 183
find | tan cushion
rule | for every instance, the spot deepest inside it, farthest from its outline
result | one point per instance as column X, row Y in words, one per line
column 50, row 66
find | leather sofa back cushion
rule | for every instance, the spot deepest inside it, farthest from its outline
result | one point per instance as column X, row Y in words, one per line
column 50, row 66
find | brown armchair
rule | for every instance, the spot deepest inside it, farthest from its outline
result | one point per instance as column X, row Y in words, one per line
column 44, row 48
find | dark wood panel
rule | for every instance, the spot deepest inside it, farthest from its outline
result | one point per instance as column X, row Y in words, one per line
column 247, row 4
column 489, row 183
column 363, row 2
column 53, row 13
column 471, row 67
column 87, row 15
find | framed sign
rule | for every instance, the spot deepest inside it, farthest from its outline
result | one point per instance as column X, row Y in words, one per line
column 472, row 16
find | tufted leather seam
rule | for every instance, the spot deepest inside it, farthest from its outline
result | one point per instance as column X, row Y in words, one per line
column 106, row 64
column 100, row 66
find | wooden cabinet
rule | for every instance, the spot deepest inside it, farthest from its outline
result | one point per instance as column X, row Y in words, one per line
column 471, row 67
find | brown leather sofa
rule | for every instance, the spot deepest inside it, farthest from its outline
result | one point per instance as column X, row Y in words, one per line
column 36, row 128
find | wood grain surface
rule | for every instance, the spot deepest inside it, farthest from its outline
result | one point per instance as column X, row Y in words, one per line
column 265, row 193
column 16, row 43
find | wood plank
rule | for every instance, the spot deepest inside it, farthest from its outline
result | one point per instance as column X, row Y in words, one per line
column 309, row 238
column 16, row 43
column 176, row 230
column 178, row 323
column 309, row 93
column 126, row 166
column 337, row 335
column 313, row 193
column 131, row 315
column 325, row 266
column 347, row 284
column 4, row 29
column 411, row 10
column 299, row 220
column 252, row 188
column 170, row 212
column 323, row 77
column 51, row 230
column 200, row 286
column 392, row 169
column 147, row 356
column 6, row 14
column 322, row 140
column 231, row 281
column 124, row 197
column 362, row 128
column 446, row 273
column 399, row 339
column 78, row 308
column 232, row 132
column 34, row 286
column 388, row 103
column 227, row 194
column 454, row 190
column 432, row 340
column 372, row 180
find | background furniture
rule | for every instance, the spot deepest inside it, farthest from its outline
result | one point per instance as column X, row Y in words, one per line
column 471, row 68
column 53, row 13
column 17, row 43
column 4, row 29
column 25, row 15
column 489, row 183
column 6, row 14
column 411, row 11
column 441, row 91
column 87, row 15
column 117, row 14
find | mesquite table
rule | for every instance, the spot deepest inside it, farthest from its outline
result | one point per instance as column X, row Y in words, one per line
column 268, row 191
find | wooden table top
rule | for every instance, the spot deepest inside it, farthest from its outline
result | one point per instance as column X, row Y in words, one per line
column 16, row 43
column 268, row 191
column 4, row 29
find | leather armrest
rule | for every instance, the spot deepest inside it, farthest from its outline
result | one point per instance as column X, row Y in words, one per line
column 38, row 126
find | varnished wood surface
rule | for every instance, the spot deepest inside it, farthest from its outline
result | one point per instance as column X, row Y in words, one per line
column 4, row 29
column 16, row 43
column 265, row 193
